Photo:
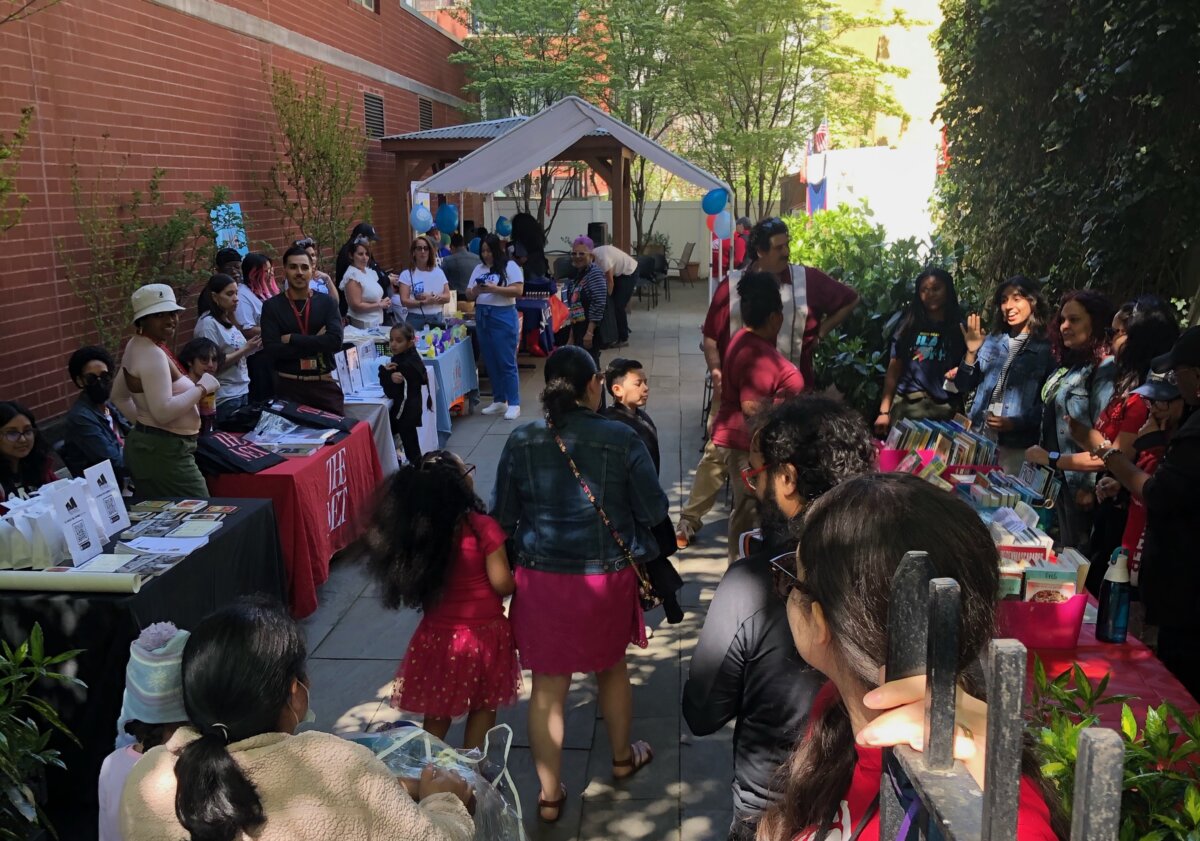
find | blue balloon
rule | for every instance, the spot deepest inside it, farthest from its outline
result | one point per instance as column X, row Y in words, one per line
column 473, row 246
column 447, row 218
column 723, row 225
column 421, row 219
column 714, row 201
column 503, row 226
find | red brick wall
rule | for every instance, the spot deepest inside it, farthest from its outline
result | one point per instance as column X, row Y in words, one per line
column 186, row 95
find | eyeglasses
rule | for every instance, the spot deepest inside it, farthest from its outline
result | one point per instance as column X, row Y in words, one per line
column 12, row 436
column 580, row 253
column 468, row 469
column 420, row 248
column 92, row 379
column 785, row 579
column 750, row 476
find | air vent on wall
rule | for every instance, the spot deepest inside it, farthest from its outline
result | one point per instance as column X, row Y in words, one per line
column 373, row 114
column 425, row 113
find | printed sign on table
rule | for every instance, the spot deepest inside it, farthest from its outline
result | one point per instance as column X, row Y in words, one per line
column 107, row 492
column 82, row 535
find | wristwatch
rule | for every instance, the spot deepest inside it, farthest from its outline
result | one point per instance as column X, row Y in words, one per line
column 1052, row 460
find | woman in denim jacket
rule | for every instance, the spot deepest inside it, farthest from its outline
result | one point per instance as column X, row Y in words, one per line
column 1080, row 388
column 1008, row 404
column 576, row 607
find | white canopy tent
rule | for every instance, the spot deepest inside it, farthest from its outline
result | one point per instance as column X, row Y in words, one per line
column 568, row 130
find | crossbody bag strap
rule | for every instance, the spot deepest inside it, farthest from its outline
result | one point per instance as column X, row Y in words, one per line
column 587, row 491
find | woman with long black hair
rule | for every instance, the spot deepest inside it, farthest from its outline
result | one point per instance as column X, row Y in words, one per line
column 239, row 768
column 495, row 285
column 927, row 344
column 837, row 597
column 576, row 606
column 24, row 453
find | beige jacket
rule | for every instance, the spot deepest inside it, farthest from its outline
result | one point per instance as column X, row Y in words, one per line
column 313, row 786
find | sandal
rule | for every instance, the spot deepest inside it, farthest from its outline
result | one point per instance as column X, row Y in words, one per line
column 557, row 805
column 640, row 755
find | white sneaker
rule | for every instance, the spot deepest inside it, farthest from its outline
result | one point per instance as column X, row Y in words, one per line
column 513, row 413
column 494, row 409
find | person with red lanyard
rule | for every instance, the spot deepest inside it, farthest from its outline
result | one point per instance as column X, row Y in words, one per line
column 837, row 589
column 301, row 332
column 813, row 305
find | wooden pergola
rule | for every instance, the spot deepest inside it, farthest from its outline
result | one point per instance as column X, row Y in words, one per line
column 420, row 154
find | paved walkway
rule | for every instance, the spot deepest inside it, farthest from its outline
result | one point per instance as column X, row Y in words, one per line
column 355, row 644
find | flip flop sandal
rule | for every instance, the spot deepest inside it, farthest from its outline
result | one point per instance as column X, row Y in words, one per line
column 640, row 755
column 553, row 804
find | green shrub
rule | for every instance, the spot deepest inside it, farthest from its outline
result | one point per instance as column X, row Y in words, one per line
column 847, row 244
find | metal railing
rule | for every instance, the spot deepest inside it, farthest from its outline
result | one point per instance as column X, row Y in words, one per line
column 923, row 623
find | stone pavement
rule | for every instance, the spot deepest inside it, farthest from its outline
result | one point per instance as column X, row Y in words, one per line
column 355, row 644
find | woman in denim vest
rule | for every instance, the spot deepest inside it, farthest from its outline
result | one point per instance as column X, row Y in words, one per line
column 1080, row 388
column 576, row 607
column 1007, row 368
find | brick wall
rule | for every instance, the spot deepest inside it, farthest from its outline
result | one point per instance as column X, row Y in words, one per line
column 188, row 95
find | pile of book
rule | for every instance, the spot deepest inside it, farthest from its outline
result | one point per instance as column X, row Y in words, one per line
column 952, row 441
column 931, row 471
column 1050, row 580
column 996, row 489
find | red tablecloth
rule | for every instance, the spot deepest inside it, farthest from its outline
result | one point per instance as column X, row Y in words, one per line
column 1134, row 669
column 320, row 505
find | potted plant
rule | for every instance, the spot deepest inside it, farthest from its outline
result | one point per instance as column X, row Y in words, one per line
column 26, row 726
column 1161, row 792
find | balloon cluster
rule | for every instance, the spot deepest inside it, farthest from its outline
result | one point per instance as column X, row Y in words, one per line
column 720, row 220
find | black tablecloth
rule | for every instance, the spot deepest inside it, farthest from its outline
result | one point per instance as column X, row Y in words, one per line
column 242, row 557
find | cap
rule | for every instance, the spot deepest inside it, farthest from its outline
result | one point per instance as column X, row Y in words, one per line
column 153, row 678
column 153, row 298
column 1186, row 352
column 1160, row 387
column 365, row 229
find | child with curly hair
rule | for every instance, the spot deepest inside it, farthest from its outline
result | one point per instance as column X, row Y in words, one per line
column 431, row 546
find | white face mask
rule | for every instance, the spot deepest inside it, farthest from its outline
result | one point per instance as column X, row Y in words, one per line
column 310, row 716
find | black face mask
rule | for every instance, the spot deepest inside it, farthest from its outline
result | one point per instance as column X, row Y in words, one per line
column 98, row 390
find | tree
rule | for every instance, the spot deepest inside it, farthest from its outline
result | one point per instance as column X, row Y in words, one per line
column 320, row 159
column 131, row 239
column 12, row 11
column 1073, row 141
column 769, row 72
column 12, row 202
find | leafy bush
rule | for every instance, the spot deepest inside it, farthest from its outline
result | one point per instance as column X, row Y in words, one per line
column 846, row 244
column 24, row 751
column 1161, row 790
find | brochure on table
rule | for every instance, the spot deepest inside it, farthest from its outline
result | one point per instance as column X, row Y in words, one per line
column 102, row 482
column 80, row 530
column 357, row 373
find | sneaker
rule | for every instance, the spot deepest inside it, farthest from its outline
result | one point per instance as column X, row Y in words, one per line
column 683, row 535
column 512, row 413
column 494, row 409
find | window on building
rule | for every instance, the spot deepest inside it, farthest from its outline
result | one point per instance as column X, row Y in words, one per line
column 424, row 113
column 369, row 5
column 373, row 114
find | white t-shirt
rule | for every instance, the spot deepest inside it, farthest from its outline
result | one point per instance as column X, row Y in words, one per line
column 610, row 257
column 513, row 274
column 432, row 281
column 249, row 308
column 372, row 293
column 235, row 380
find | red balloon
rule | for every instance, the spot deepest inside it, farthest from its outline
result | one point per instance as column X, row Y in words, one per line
column 710, row 221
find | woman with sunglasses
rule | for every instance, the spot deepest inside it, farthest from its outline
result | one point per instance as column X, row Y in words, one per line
column 837, row 590
column 24, row 454
column 94, row 430
column 579, row 496
column 422, row 287
column 320, row 282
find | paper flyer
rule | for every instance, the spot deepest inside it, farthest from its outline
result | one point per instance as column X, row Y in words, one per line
column 107, row 493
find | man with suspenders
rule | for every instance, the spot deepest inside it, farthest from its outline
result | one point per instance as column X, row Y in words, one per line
column 813, row 305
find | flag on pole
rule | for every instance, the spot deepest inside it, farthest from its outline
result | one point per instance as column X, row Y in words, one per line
column 820, row 141
column 816, row 194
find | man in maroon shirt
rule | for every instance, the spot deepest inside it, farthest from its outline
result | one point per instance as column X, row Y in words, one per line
column 759, row 377
column 813, row 305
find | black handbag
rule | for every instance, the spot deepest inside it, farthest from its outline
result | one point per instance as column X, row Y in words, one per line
column 647, row 596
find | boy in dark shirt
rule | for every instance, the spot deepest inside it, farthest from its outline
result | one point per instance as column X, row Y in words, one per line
column 626, row 382
column 403, row 380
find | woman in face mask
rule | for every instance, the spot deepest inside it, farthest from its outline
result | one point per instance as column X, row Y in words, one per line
column 95, row 431
column 240, row 769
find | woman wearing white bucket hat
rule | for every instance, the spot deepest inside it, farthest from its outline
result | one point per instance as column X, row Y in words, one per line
column 152, row 389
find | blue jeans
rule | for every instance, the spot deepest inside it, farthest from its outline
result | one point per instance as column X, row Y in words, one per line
column 497, row 331
column 419, row 320
column 226, row 408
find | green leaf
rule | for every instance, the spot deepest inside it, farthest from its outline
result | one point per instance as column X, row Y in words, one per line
column 1128, row 723
column 1191, row 804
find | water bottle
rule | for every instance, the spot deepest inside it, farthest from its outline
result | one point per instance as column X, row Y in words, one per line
column 1112, row 620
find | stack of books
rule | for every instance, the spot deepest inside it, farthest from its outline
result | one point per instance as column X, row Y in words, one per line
column 952, row 440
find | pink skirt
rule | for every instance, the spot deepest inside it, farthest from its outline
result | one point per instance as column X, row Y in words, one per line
column 575, row 623
column 450, row 671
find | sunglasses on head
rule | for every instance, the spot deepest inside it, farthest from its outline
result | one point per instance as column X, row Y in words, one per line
column 786, row 580
column 307, row 242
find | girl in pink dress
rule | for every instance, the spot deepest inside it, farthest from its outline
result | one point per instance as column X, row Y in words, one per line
column 431, row 547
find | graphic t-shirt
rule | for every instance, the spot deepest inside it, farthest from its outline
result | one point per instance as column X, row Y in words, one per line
column 925, row 363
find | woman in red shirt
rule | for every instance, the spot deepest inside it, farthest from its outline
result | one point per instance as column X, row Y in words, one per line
column 837, row 606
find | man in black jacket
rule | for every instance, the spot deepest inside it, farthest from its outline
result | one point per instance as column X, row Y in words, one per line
column 745, row 665
column 301, row 332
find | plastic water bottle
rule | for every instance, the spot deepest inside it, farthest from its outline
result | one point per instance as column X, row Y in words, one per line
column 1112, row 620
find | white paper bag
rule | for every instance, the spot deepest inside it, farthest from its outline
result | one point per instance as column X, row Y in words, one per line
column 49, row 547
column 8, row 533
column 22, row 541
